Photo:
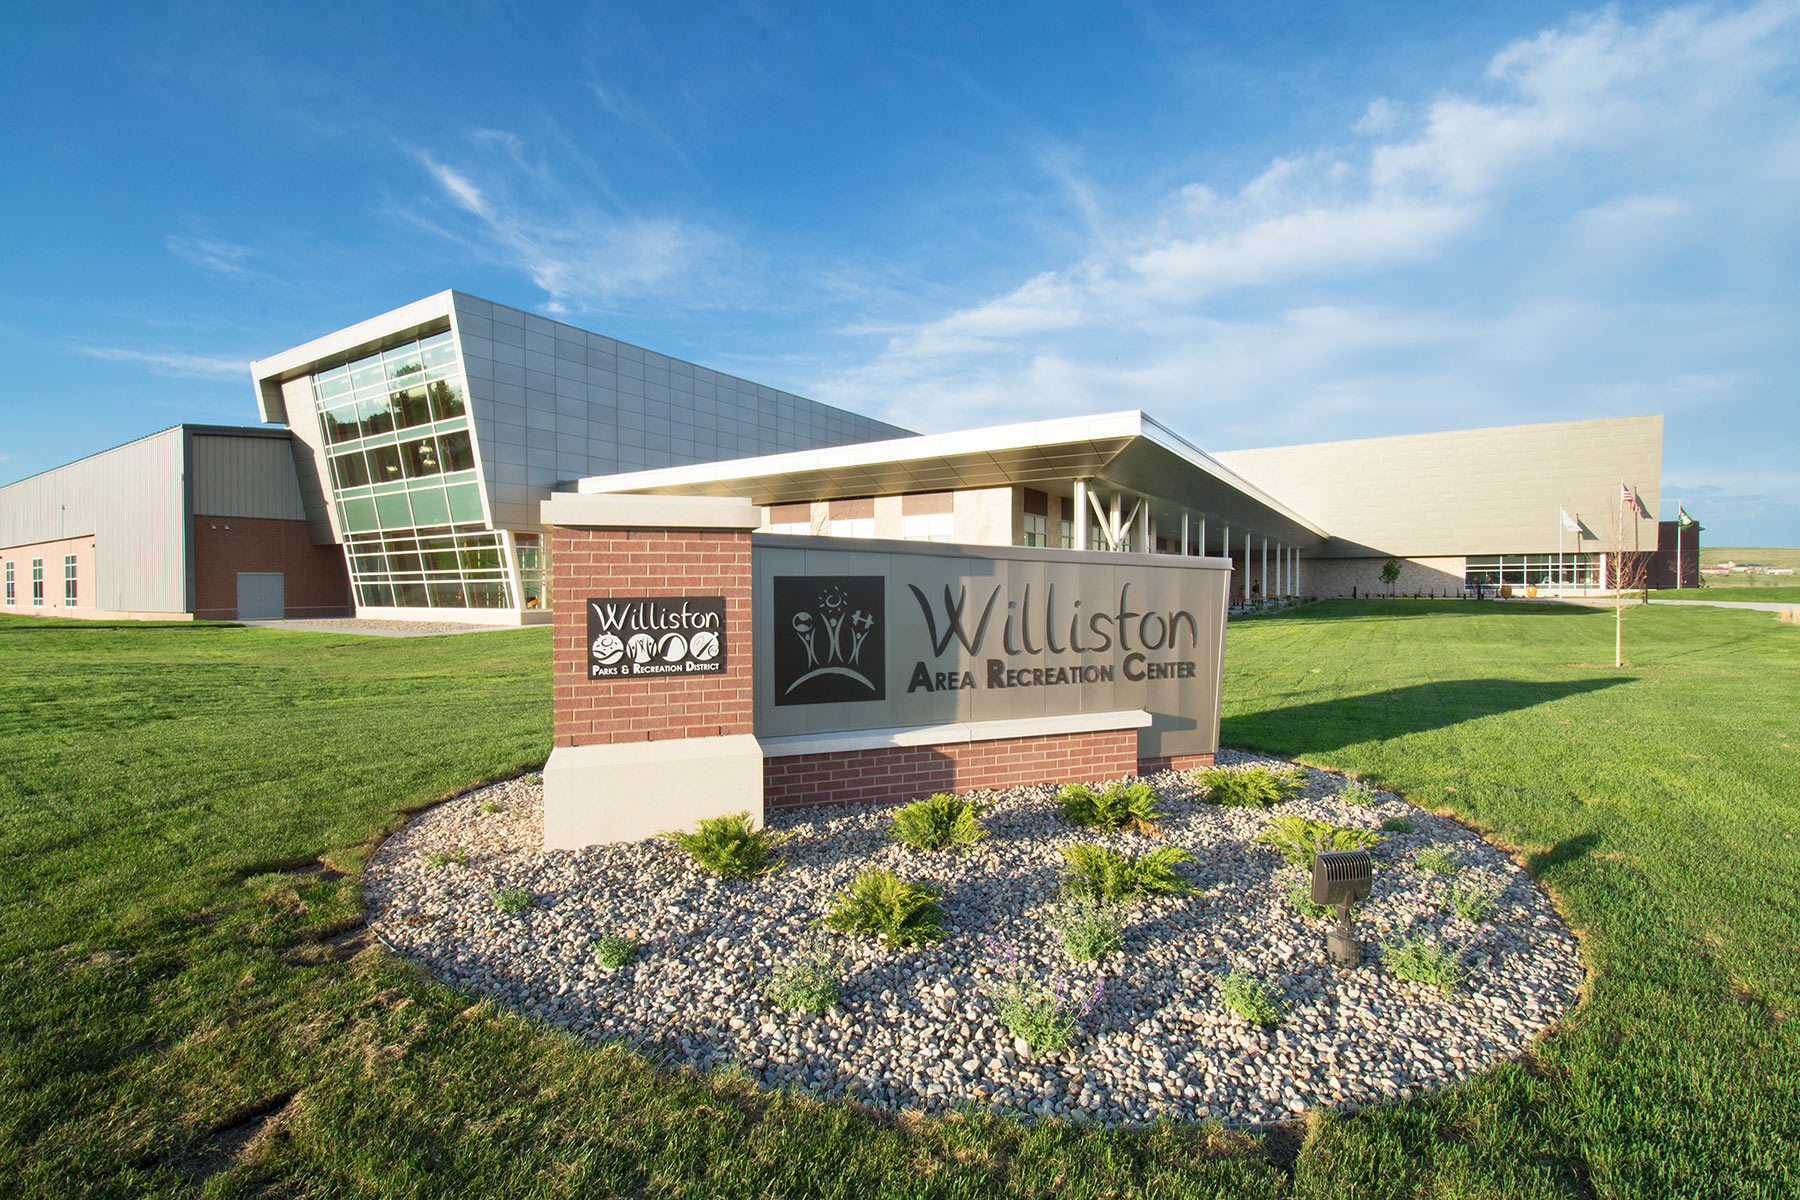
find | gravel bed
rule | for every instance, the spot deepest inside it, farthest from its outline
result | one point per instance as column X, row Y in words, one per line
column 917, row 1029
column 370, row 627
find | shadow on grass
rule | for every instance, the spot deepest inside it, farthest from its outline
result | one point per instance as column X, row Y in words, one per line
column 1374, row 716
column 1565, row 851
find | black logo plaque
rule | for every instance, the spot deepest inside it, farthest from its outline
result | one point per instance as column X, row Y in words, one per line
column 631, row 637
column 830, row 638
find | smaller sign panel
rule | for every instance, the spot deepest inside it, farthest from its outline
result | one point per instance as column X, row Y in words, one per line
column 633, row 637
column 830, row 639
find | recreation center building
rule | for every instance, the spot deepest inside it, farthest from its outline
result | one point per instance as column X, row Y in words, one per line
column 401, row 464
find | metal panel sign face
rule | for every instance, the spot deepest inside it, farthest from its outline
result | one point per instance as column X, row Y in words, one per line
column 864, row 635
column 830, row 639
column 632, row 637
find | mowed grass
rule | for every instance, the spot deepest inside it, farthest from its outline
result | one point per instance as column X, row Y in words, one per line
column 1738, row 589
column 184, row 810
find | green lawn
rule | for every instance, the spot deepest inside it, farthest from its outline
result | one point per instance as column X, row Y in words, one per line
column 1737, row 590
column 188, row 1004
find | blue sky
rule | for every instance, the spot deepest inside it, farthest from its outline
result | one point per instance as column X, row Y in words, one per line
column 1262, row 223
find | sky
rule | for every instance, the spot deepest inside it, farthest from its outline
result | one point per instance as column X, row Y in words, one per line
column 1261, row 223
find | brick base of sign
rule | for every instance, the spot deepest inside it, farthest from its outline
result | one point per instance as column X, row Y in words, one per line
column 897, row 774
column 1173, row 762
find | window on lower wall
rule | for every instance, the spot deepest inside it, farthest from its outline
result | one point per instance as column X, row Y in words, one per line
column 855, row 527
column 37, row 583
column 69, row 589
column 1037, row 530
column 10, row 597
column 928, row 527
column 1531, row 570
column 1068, row 535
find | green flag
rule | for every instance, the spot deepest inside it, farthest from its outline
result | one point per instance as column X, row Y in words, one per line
column 1685, row 519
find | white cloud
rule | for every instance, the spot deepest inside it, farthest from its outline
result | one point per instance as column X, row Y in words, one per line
column 171, row 362
column 211, row 254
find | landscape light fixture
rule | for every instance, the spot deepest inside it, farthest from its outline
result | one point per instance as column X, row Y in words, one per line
column 1341, row 877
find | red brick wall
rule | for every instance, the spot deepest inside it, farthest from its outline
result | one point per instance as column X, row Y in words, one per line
column 649, row 562
column 315, row 581
column 902, row 773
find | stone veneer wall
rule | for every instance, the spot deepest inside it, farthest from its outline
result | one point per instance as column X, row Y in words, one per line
column 896, row 774
column 649, row 562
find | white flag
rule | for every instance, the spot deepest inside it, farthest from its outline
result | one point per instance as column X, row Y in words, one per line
column 1570, row 523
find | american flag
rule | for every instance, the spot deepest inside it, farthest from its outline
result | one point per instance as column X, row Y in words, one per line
column 1629, row 499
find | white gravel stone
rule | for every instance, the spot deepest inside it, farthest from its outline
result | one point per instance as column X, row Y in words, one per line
column 916, row 1030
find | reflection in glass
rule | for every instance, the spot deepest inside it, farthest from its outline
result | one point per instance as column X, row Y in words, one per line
column 376, row 418
column 446, row 400
column 447, row 595
column 458, row 455
column 384, row 463
column 487, row 595
column 409, row 408
column 350, row 469
column 341, row 424
column 420, row 458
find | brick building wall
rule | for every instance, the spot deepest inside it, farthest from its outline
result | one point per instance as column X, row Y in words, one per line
column 315, row 581
column 896, row 774
column 649, row 562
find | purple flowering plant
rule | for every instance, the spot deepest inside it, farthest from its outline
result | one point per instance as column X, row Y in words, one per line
column 1045, row 1011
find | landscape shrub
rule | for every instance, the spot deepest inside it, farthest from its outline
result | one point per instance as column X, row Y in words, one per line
column 614, row 950
column 1108, row 876
column 1045, row 1013
column 731, row 846
column 1472, row 901
column 1087, row 928
column 1436, row 860
column 1424, row 959
column 1300, row 898
column 489, row 806
column 1121, row 806
column 1248, row 787
column 1359, row 793
column 808, row 981
column 512, row 899
column 1299, row 838
column 939, row 822
column 879, row 904
column 1397, row 825
column 1250, row 998
column 439, row 858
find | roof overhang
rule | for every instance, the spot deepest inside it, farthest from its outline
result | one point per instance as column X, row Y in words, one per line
column 1128, row 451
column 388, row 330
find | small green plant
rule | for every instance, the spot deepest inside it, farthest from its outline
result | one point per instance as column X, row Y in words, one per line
column 1300, row 838
column 532, row 778
column 1250, row 998
column 489, row 806
column 1248, row 787
column 1108, row 876
column 1436, row 860
column 1360, row 794
column 1300, row 897
column 615, row 950
column 1472, row 901
column 1121, row 806
column 1087, row 928
column 807, row 982
column 512, row 899
column 1397, row 825
column 731, row 846
column 939, row 822
column 880, row 904
column 1423, row 959
column 441, row 858
column 1044, row 1013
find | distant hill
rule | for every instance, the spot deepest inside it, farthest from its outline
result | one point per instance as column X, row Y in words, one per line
column 1768, row 556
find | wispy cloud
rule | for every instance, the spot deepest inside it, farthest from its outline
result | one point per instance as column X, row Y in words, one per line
column 168, row 362
column 211, row 254
column 560, row 225
column 1445, row 257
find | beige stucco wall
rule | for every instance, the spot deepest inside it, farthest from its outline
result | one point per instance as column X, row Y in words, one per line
column 1475, row 491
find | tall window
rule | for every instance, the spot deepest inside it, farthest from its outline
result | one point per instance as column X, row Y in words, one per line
column 69, row 590
column 1068, row 535
column 37, row 583
column 1532, row 570
column 1037, row 530
column 928, row 527
column 10, row 597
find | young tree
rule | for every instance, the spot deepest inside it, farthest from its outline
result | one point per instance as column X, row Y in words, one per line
column 1390, row 574
column 1627, row 567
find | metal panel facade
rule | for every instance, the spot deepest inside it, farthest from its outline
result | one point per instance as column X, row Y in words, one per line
column 245, row 477
column 130, row 500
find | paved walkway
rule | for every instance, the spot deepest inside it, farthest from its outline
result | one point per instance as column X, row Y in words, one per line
column 378, row 628
column 1758, row 605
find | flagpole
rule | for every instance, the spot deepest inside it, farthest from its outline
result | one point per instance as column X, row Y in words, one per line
column 1678, row 545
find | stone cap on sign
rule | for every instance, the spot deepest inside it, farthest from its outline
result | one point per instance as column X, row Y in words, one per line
column 603, row 510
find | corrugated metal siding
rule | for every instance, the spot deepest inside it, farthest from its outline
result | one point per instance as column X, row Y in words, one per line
column 245, row 477
column 130, row 500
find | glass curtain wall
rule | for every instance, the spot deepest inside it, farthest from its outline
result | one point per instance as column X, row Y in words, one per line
column 1532, row 570
column 404, row 480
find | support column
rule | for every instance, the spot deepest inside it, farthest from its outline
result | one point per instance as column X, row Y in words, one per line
column 1246, row 566
column 1082, row 540
column 1184, row 541
column 1264, row 581
column 1200, row 542
column 1145, row 544
column 1280, row 588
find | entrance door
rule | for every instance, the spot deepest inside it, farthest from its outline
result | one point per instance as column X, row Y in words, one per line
column 260, row 596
